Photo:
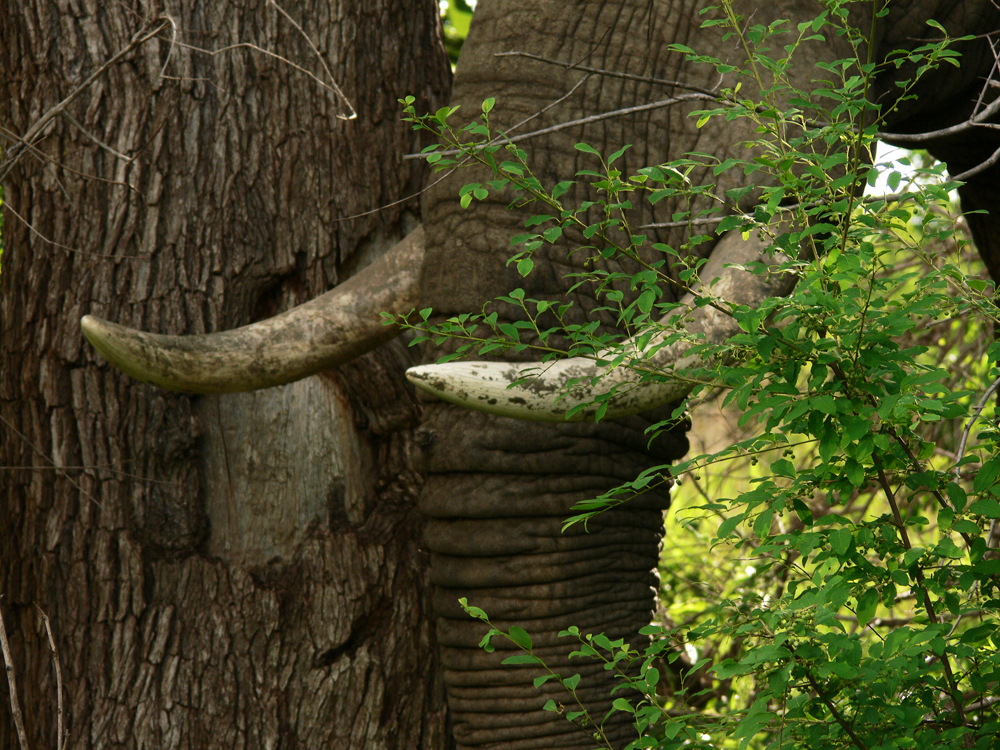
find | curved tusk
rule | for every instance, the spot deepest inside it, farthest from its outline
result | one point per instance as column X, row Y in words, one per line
column 488, row 386
column 334, row 328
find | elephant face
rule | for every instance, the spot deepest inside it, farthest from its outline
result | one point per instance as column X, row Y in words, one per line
column 497, row 490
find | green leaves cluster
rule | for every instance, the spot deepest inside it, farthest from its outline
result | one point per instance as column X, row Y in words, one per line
column 867, row 617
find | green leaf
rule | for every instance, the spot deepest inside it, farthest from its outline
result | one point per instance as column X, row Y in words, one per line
column 867, row 604
column 520, row 637
column 646, row 300
column 617, row 154
column 623, row 705
column 840, row 540
column 587, row 149
column 472, row 611
column 825, row 403
column 946, row 516
column 560, row 189
column 762, row 524
column 726, row 527
column 536, row 220
column 986, row 506
column 524, row 266
column 912, row 555
column 987, row 475
column 947, row 548
column 572, row 682
column 855, row 472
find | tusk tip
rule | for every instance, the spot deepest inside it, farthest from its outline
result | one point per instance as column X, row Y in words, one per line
column 95, row 331
column 421, row 377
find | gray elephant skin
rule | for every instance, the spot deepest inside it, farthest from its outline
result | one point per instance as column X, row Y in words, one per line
column 497, row 490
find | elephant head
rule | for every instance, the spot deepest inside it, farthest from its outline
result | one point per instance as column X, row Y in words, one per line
column 497, row 490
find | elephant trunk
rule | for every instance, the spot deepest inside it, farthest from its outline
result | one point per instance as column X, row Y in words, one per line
column 497, row 494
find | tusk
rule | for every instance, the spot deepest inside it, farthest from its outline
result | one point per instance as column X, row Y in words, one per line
column 488, row 386
column 334, row 328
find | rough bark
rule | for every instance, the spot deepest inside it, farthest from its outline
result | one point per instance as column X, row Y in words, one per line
column 241, row 571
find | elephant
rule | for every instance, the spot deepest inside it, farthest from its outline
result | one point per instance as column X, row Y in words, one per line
column 497, row 489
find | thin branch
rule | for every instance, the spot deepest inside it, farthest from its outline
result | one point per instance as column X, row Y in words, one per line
column 15, row 707
column 889, row 198
column 170, row 49
column 837, row 716
column 979, row 168
column 322, row 61
column 67, row 248
column 42, row 156
column 93, row 138
column 275, row 55
column 550, row 105
column 973, row 122
column 60, row 714
column 29, row 137
column 609, row 73
column 462, row 163
column 972, row 420
column 42, row 453
column 918, row 575
column 989, row 76
column 585, row 121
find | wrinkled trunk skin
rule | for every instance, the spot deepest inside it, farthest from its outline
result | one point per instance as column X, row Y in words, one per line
column 240, row 572
column 496, row 496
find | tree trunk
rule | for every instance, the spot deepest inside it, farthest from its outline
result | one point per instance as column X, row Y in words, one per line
column 242, row 571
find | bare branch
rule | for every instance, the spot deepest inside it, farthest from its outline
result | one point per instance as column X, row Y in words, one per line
column 585, row 121
column 976, row 121
column 7, row 208
column 60, row 714
column 609, row 73
column 968, row 427
column 255, row 48
column 15, row 706
column 322, row 61
column 706, row 220
column 979, row 168
column 44, row 455
column 94, row 139
column 35, row 130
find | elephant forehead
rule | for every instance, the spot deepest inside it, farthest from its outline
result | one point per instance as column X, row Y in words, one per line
column 468, row 249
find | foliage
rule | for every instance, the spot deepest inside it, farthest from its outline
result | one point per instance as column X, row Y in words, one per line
column 867, row 616
column 456, row 15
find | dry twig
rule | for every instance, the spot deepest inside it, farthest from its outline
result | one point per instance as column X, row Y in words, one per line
column 15, row 707
column 60, row 713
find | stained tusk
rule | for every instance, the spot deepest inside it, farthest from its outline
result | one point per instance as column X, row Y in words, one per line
column 547, row 396
column 332, row 329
